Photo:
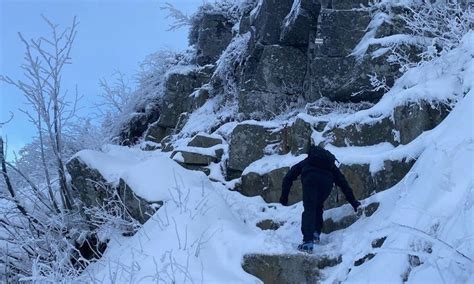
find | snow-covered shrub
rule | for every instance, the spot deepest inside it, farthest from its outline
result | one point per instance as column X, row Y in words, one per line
column 424, row 30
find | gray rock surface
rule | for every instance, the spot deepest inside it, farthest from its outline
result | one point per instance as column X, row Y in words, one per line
column 269, row 19
column 92, row 187
column 288, row 268
column 247, row 144
column 193, row 158
column 341, row 31
column 414, row 118
column 300, row 23
column 140, row 209
column 204, row 141
column 348, row 4
column 176, row 99
column 331, row 225
column 364, row 184
column 269, row 224
column 95, row 191
column 408, row 122
column 214, row 34
column 269, row 186
column 156, row 133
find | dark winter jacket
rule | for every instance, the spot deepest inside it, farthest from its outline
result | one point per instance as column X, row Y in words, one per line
column 317, row 173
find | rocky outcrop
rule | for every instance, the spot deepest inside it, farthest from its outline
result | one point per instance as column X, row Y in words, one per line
column 214, row 33
column 94, row 190
column 300, row 23
column 363, row 182
column 89, row 183
column 271, row 79
column 288, row 268
column 204, row 141
column 268, row 186
column 177, row 90
column 248, row 143
column 138, row 123
column 269, row 18
column 140, row 209
column 407, row 123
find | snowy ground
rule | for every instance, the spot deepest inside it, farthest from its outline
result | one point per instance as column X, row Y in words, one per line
column 203, row 230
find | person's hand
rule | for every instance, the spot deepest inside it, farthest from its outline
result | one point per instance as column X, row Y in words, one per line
column 356, row 204
column 284, row 201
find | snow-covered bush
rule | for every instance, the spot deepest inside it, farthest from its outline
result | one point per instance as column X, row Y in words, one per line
column 424, row 30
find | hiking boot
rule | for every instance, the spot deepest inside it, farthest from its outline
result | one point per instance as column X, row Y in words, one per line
column 306, row 247
column 316, row 239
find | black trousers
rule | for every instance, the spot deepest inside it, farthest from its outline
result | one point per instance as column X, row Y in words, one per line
column 312, row 217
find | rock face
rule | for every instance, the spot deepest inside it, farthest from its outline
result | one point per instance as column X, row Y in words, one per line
column 362, row 181
column 176, row 97
column 138, row 123
column 331, row 225
column 364, row 184
column 290, row 268
column 300, row 23
column 269, row 186
column 214, row 34
column 95, row 191
column 271, row 79
column 248, row 142
column 204, row 141
column 408, row 122
column 140, row 209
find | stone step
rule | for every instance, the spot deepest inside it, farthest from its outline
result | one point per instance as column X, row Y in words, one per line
column 288, row 268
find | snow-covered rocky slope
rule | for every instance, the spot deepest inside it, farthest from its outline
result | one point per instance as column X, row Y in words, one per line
column 420, row 231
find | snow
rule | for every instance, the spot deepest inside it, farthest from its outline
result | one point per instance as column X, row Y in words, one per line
column 203, row 230
column 272, row 162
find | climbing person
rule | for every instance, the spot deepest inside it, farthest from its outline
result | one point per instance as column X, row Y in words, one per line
column 318, row 173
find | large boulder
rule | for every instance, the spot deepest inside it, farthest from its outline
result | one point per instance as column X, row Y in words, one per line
column 364, row 183
column 95, row 191
column 268, row 186
column 247, row 144
column 363, row 134
column 300, row 23
column 407, row 122
column 177, row 90
column 205, row 141
column 214, row 33
column 138, row 123
column 138, row 208
column 156, row 133
column 89, row 183
column 269, row 18
column 288, row 268
column 412, row 119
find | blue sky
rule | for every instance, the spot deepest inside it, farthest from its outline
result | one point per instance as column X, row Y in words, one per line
column 112, row 35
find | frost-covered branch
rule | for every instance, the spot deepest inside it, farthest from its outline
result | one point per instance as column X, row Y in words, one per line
column 179, row 18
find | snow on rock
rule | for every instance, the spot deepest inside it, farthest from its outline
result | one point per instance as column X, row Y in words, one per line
column 194, row 237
